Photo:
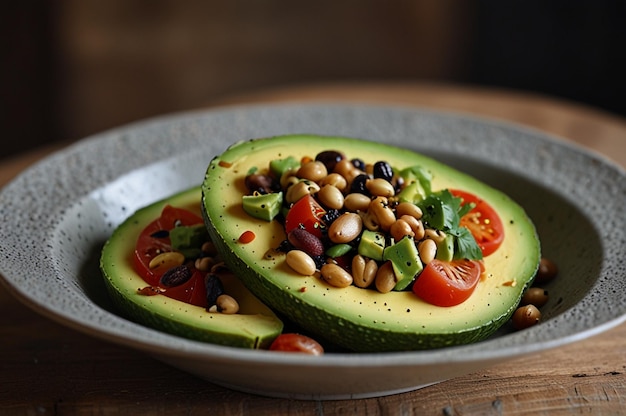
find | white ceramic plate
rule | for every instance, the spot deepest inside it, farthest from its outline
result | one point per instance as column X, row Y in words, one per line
column 56, row 216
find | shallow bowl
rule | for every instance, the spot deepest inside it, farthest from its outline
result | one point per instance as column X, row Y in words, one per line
column 56, row 216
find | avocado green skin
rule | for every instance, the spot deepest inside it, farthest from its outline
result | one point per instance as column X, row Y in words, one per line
column 360, row 319
column 254, row 327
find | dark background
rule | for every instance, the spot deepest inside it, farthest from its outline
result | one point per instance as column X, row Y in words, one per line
column 75, row 67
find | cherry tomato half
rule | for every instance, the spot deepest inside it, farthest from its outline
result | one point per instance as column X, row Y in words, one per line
column 193, row 291
column 483, row 222
column 296, row 343
column 153, row 240
column 448, row 283
column 305, row 213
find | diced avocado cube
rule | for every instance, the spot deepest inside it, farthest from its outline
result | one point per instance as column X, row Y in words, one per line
column 445, row 248
column 418, row 174
column 263, row 206
column 412, row 193
column 280, row 166
column 372, row 244
column 405, row 260
column 188, row 240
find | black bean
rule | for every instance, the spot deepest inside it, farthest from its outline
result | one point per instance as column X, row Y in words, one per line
column 329, row 158
column 358, row 184
column 285, row 246
column 383, row 170
column 319, row 261
column 214, row 288
column 330, row 216
column 398, row 184
column 358, row 163
column 176, row 276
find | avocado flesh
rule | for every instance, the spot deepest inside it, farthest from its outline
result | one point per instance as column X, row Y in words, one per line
column 255, row 326
column 364, row 319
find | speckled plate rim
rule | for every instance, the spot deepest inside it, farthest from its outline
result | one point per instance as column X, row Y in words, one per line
column 52, row 186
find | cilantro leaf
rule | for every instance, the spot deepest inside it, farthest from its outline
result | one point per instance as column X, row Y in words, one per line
column 440, row 210
column 465, row 246
column 443, row 211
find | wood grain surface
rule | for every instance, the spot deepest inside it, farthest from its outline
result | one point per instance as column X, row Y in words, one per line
column 46, row 368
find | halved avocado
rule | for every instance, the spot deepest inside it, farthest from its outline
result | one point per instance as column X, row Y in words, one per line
column 363, row 319
column 255, row 326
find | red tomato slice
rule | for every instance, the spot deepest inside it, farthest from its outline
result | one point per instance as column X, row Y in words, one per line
column 448, row 283
column 153, row 240
column 483, row 222
column 193, row 291
column 292, row 342
column 306, row 213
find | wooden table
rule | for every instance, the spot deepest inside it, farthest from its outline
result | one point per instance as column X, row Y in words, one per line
column 49, row 369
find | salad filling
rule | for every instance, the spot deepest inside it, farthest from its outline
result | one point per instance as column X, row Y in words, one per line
column 371, row 225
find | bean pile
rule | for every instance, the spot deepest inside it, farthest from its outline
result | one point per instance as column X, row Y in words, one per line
column 354, row 196
column 178, row 270
column 528, row 313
